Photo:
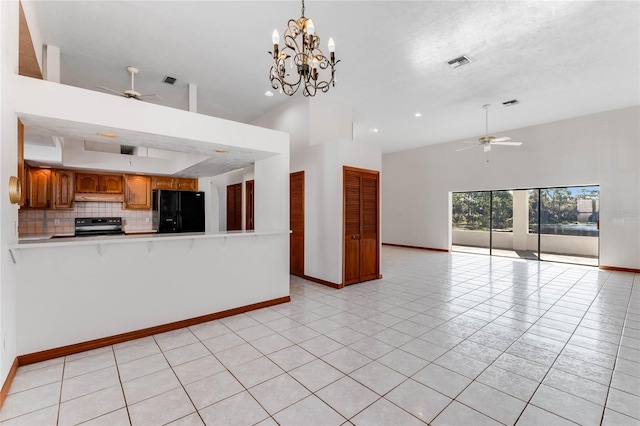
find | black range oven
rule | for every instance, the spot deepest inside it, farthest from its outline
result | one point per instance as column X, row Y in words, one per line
column 92, row 226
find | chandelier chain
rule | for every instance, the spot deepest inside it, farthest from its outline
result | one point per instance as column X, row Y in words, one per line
column 303, row 8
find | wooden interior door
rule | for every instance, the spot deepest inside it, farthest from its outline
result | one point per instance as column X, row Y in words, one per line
column 250, row 206
column 234, row 207
column 296, row 222
column 361, row 225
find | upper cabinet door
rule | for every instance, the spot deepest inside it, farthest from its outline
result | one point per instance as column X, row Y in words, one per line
column 111, row 184
column 94, row 182
column 187, row 184
column 162, row 182
column 87, row 182
column 137, row 193
column 63, row 189
column 39, row 188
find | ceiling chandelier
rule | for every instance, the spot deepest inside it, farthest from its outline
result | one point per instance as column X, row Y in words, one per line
column 301, row 62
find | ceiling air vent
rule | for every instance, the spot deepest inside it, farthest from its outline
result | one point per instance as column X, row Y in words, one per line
column 458, row 62
column 127, row 150
column 169, row 80
column 512, row 102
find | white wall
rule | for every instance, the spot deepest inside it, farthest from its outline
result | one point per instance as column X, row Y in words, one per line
column 602, row 149
column 218, row 187
column 321, row 150
column 8, row 167
column 323, row 166
column 325, row 109
column 141, row 283
column 271, row 195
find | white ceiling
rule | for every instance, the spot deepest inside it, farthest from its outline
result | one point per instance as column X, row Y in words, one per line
column 560, row 59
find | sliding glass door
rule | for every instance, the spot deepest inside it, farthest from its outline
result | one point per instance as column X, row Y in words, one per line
column 502, row 223
column 555, row 224
column 569, row 224
column 471, row 219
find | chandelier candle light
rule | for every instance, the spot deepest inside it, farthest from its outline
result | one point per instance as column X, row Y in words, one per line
column 301, row 62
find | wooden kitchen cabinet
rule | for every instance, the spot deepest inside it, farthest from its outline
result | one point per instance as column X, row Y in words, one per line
column 99, row 183
column 63, row 189
column 87, row 182
column 187, row 184
column 111, row 184
column 137, row 192
column 174, row 183
column 38, row 188
column 162, row 182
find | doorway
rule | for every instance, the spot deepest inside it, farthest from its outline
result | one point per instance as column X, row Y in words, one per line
column 250, row 203
column 234, row 207
column 559, row 224
column 361, row 206
column 296, row 223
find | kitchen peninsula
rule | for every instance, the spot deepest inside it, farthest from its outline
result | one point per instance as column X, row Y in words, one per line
column 74, row 294
column 75, row 290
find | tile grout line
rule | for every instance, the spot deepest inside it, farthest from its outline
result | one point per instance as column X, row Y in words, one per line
column 503, row 352
column 64, row 364
column 615, row 361
column 563, row 347
column 126, row 405
column 178, row 378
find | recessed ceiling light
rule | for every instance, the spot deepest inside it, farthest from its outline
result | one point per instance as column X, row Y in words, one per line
column 107, row 135
column 268, row 93
column 375, row 130
column 221, row 151
column 417, row 114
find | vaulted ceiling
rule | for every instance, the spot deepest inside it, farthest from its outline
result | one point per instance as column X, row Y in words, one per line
column 560, row 59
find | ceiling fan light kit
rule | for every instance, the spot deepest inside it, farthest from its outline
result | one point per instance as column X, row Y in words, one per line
column 301, row 62
column 487, row 140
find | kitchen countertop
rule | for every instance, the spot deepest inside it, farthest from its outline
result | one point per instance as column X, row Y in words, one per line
column 70, row 240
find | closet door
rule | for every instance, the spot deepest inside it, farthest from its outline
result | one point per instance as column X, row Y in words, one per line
column 361, row 225
column 296, row 223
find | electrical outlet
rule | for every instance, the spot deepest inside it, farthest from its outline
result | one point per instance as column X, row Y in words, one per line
column 146, row 220
column 56, row 222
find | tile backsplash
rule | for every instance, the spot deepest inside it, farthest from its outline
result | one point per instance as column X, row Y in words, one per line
column 33, row 222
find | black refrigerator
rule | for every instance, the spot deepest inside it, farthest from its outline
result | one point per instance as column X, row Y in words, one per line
column 178, row 211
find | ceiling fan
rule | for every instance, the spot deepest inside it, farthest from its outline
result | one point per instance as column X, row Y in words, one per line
column 130, row 93
column 487, row 140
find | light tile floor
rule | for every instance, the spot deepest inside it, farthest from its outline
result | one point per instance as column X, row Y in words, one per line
column 444, row 339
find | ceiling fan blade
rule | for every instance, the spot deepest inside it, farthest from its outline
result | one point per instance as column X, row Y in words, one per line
column 111, row 90
column 502, row 139
column 153, row 94
column 507, row 143
column 467, row 147
column 470, row 142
